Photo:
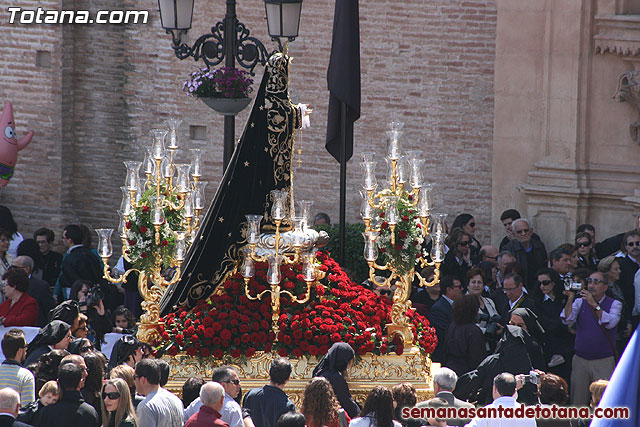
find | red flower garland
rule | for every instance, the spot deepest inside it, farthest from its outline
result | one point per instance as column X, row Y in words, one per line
column 338, row 310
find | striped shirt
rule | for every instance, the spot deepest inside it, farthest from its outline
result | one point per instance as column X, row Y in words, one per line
column 18, row 378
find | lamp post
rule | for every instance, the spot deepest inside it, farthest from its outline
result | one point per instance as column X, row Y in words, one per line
column 229, row 40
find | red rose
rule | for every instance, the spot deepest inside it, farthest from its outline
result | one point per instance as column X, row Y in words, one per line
column 382, row 214
column 383, row 250
column 143, row 229
column 131, row 242
column 297, row 352
column 145, row 209
column 209, row 333
column 164, row 243
column 410, row 197
column 191, row 351
column 217, row 353
column 250, row 352
column 384, row 225
column 282, row 352
column 402, row 234
column 399, row 246
column 204, row 351
column 405, row 218
column 236, row 352
column 143, row 254
column 173, row 350
column 319, row 290
column 415, row 243
column 128, row 224
column 225, row 335
column 245, row 338
column 383, row 349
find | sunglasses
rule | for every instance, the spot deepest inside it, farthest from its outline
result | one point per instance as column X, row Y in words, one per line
column 113, row 395
column 86, row 348
column 465, row 243
column 583, row 244
column 545, row 282
column 385, row 292
column 236, row 382
column 633, row 244
column 593, row 280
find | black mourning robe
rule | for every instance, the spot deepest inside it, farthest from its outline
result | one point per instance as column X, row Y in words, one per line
column 260, row 163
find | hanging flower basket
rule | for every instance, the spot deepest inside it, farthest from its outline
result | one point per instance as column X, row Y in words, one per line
column 225, row 90
column 227, row 106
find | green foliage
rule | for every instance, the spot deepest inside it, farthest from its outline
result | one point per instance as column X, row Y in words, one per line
column 354, row 263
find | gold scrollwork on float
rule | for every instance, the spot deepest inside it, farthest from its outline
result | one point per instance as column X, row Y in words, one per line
column 369, row 371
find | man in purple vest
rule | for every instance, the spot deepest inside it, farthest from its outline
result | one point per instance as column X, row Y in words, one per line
column 593, row 314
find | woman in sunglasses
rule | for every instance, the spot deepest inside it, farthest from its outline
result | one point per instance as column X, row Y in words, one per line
column 586, row 253
column 467, row 223
column 458, row 260
column 117, row 409
column 557, row 343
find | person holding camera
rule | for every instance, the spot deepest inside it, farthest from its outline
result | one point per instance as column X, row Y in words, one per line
column 90, row 301
column 596, row 317
column 557, row 343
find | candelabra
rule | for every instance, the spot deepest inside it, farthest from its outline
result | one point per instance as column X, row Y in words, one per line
column 291, row 248
column 397, row 221
column 158, row 221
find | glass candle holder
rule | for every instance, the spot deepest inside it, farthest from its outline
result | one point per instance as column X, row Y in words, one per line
column 273, row 274
column 370, row 246
column 253, row 228
column 173, row 124
column 105, row 250
column 157, row 149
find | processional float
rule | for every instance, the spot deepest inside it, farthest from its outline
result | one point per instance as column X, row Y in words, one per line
column 186, row 256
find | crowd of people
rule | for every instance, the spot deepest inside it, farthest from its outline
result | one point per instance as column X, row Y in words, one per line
column 502, row 316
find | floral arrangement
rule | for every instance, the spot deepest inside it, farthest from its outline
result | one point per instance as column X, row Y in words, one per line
column 224, row 82
column 230, row 325
column 141, row 249
column 401, row 255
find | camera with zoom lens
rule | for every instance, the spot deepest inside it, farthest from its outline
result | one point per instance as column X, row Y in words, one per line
column 94, row 296
column 491, row 329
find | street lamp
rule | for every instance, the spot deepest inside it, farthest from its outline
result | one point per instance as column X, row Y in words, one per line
column 229, row 40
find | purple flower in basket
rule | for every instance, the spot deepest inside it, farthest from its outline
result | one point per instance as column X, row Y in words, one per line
column 224, row 82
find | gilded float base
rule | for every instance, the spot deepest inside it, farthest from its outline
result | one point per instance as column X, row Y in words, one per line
column 368, row 372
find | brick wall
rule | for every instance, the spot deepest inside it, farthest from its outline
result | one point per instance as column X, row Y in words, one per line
column 429, row 63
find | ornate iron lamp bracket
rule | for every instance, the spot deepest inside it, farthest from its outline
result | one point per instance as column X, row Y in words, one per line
column 248, row 50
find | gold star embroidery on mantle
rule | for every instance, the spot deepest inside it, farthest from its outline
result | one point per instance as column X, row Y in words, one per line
column 261, row 107
column 221, row 219
column 246, row 164
column 253, row 124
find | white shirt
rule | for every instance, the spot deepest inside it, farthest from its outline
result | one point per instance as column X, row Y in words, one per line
column 368, row 421
column 505, row 402
column 231, row 412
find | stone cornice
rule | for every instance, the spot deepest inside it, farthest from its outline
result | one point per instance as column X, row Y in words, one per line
column 617, row 34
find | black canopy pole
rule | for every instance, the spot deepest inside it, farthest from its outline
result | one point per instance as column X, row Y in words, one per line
column 343, row 179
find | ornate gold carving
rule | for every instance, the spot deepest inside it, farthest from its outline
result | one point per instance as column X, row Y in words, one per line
column 369, row 371
column 629, row 90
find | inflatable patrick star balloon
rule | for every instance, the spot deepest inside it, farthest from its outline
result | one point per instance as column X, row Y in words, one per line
column 9, row 144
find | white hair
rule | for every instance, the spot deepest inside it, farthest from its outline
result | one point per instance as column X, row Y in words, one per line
column 211, row 393
column 26, row 261
column 525, row 220
column 9, row 399
column 445, row 378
